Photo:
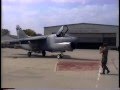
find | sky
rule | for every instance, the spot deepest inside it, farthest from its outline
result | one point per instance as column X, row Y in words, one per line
column 37, row 14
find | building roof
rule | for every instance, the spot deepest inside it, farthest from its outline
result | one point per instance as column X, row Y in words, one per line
column 84, row 28
column 84, row 23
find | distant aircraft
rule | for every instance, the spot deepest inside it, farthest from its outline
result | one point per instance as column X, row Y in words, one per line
column 59, row 42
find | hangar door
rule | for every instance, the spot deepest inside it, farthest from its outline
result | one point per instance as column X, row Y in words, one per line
column 110, row 38
column 94, row 40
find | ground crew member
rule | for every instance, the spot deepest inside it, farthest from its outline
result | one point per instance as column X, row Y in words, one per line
column 104, row 51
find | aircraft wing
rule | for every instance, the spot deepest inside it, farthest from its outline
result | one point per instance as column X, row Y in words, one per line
column 36, row 38
column 10, row 41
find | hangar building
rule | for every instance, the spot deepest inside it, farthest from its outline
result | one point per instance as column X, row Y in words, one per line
column 90, row 35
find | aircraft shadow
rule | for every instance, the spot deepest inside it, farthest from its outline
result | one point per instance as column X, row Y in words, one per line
column 113, row 74
column 65, row 57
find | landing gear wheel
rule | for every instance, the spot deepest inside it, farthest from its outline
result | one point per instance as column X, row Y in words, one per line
column 29, row 54
column 43, row 53
column 59, row 56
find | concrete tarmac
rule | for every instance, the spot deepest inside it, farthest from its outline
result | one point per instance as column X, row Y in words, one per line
column 37, row 72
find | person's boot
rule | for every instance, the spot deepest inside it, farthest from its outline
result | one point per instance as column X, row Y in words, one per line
column 102, row 73
column 108, row 71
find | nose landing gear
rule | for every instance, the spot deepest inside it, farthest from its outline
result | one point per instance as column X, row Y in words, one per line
column 60, row 55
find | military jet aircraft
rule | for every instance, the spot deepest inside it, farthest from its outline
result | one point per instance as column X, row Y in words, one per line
column 59, row 42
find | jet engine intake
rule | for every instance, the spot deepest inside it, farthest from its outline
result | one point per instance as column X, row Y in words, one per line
column 64, row 46
column 74, row 45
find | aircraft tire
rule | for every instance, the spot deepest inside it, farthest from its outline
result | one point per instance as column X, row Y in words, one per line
column 29, row 54
column 43, row 53
column 59, row 56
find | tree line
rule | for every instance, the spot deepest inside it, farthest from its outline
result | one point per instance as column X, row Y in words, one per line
column 29, row 32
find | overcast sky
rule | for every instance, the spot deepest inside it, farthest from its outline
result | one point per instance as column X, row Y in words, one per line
column 37, row 14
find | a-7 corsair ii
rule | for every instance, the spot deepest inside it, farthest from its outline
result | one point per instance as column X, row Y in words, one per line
column 59, row 42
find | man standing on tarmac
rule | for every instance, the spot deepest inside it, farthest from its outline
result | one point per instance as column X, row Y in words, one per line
column 104, row 51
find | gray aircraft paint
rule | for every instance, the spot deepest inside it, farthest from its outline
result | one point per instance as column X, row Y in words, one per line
column 58, row 42
column 26, row 46
column 21, row 34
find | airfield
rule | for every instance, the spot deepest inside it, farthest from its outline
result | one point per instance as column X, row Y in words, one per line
column 78, row 69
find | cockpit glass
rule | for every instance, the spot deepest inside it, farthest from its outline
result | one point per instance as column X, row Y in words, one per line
column 65, row 29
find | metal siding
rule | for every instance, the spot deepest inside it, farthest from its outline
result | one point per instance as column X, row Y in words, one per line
column 90, row 39
column 84, row 28
column 88, row 32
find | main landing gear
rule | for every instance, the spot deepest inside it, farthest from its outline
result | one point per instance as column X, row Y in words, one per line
column 60, row 55
column 43, row 53
column 29, row 54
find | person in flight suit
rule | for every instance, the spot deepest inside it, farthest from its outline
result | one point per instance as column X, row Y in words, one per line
column 104, row 51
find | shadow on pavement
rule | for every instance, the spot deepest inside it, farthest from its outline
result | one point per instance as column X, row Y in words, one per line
column 113, row 74
column 65, row 57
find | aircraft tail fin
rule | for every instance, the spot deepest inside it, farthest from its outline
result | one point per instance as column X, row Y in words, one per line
column 20, row 32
